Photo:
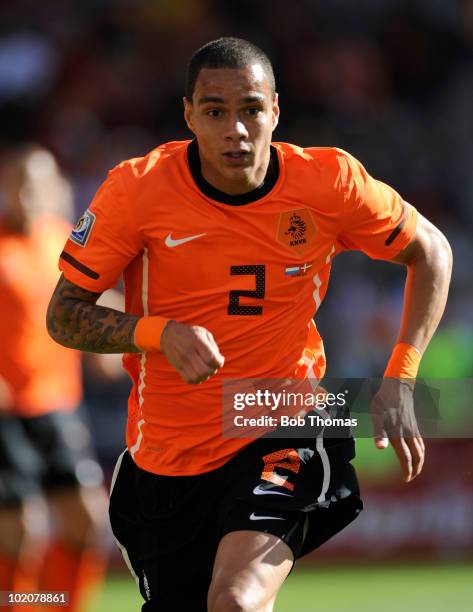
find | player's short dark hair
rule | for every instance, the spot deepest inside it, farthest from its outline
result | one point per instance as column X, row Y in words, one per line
column 227, row 52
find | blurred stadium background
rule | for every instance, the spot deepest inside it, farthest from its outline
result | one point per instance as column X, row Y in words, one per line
column 391, row 81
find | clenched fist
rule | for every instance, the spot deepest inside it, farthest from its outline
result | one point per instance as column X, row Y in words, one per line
column 192, row 351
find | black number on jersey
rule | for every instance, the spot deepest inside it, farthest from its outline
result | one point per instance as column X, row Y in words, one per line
column 234, row 306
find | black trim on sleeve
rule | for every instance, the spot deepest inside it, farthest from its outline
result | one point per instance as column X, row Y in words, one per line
column 79, row 266
column 397, row 230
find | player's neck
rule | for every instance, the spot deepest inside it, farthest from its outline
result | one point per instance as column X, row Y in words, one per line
column 16, row 225
column 233, row 186
column 248, row 193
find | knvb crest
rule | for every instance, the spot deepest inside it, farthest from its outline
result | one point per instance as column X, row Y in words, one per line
column 296, row 229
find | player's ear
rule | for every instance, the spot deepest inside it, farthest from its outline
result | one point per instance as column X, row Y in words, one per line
column 188, row 113
column 275, row 111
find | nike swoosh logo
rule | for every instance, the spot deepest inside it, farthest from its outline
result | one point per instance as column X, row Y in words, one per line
column 259, row 491
column 170, row 242
column 254, row 517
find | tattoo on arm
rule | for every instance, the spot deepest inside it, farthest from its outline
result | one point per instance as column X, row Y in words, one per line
column 74, row 320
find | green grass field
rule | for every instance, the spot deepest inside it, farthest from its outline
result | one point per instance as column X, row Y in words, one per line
column 411, row 588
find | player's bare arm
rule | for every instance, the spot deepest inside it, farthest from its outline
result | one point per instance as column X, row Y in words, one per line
column 429, row 267
column 428, row 259
column 76, row 321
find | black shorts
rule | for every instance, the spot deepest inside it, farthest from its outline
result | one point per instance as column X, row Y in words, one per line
column 169, row 527
column 46, row 453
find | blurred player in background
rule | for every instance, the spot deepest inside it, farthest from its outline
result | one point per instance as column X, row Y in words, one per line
column 226, row 244
column 44, row 445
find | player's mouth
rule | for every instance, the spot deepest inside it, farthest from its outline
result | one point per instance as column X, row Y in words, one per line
column 237, row 158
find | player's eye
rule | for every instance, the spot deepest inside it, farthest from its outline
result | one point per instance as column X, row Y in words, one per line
column 253, row 111
column 214, row 112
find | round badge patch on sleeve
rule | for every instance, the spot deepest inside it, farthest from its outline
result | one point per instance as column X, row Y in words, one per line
column 81, row 232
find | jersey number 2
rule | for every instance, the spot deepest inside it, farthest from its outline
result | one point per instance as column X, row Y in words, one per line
column 234, row 306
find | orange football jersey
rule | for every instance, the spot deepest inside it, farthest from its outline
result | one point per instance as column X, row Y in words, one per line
column 41, row 375
column 252, row 269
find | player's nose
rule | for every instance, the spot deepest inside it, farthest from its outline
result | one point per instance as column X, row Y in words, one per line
column 235, row 129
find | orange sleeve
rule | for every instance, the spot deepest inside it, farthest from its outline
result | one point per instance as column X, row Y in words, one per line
column 104, row 240
column 376, row 220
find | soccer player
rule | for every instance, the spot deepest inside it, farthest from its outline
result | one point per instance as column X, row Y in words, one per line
column 44, row 446
column 207, row 234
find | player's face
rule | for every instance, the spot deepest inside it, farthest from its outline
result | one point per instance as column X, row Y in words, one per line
column 32, row 186
column 233, row 114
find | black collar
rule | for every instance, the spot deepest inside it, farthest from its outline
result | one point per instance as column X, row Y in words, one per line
column 268, row 183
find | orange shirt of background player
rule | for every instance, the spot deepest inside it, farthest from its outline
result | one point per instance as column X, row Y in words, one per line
column 41, row 375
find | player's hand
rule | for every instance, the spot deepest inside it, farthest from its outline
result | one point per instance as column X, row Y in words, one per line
column 192, row 351
column 392, row 412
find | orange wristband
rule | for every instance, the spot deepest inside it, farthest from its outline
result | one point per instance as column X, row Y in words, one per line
column 148, row 332
column 404, row 362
